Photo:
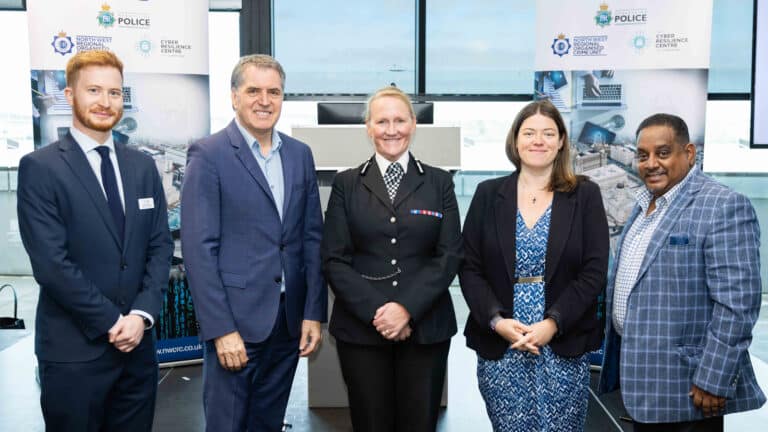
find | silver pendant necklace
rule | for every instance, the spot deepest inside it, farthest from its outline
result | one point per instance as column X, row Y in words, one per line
column 532, row 194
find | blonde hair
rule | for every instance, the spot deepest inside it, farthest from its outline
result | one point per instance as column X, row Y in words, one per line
column 389, row 91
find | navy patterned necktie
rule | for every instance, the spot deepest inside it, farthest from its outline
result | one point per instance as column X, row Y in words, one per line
column 392, row 178
column 109, row 180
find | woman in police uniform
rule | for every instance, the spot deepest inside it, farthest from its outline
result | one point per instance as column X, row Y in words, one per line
column 391, row 247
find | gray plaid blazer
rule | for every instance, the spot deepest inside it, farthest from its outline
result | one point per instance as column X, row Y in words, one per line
column 691, row 312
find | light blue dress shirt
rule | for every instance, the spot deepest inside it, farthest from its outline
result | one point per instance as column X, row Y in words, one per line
column 272, row 167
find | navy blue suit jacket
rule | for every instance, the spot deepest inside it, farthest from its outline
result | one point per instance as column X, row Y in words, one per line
column 574, row 274
column 88, row 274
column 236, row 247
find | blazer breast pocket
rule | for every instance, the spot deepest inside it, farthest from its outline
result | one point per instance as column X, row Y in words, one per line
column 679, row 240
column 679, row 255
column 679, row 245
column 145, row 211
column 299, row 193
column 426, row 221
column 232, row 280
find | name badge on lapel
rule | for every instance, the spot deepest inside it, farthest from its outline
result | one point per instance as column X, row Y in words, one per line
column 146, row 203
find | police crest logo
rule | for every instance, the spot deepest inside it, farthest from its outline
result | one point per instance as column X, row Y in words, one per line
column 561, row 45
column 603, row 17
column 106, row 18
column 62, row 43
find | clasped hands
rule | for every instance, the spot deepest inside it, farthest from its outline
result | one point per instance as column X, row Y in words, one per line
column 391, row 321
column 127, row 332
column 527, row 338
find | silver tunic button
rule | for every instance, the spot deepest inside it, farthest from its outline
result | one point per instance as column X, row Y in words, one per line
column 394, row 261
column 392, row 219
column 394, row 283
column 394, row 240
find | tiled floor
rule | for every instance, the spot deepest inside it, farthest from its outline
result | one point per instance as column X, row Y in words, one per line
column 179, row 406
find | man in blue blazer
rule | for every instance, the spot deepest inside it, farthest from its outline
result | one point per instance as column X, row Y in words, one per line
column 684, row 292
column 92, row 216
column 250, row 230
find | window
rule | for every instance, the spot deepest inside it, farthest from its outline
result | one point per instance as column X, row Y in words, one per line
column 730, row 69
column 480, row 47
column 224, row 51
column 15, row 136
column 343, row 47
column 16, row 102
column 12, row 4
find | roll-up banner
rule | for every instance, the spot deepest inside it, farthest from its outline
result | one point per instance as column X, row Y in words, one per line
column 163, row 45
column 607, row 66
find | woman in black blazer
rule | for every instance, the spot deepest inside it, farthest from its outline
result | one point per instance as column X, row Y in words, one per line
column 536, row 245
column 391, row 247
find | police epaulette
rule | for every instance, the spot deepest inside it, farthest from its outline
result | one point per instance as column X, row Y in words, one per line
column 367, row 164
column 418, row 165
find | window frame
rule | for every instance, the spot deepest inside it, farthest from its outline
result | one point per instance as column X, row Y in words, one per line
column 257, row 17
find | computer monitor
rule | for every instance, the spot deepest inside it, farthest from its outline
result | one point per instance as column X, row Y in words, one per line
column 342, row 113
column 594, row 134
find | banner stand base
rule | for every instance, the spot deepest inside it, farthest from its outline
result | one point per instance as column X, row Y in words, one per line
column 180, row 363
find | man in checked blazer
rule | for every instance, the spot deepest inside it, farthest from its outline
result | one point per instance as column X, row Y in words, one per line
column 684, row 292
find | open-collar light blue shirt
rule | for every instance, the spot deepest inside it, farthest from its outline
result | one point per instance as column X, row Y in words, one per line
column 272, row 167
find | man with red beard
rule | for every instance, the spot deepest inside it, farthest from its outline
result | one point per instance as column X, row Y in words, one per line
column 92, row 216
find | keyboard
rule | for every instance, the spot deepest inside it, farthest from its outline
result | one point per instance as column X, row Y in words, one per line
column 610, row 95
column 127, row 99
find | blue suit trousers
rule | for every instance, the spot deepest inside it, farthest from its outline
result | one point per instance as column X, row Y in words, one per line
column 115, row 392
column 254, row 398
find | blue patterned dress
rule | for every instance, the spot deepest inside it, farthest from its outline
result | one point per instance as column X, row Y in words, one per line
column 522, row 391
